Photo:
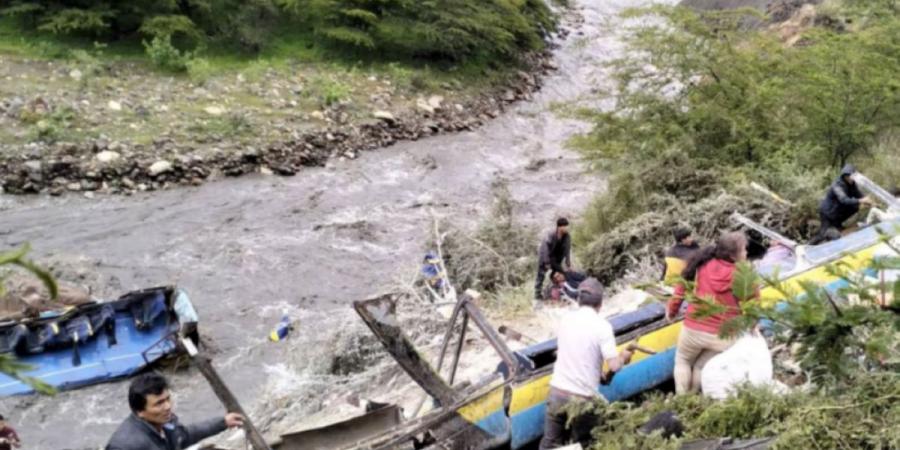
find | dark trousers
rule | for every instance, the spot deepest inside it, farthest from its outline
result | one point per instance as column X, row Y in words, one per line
column 555, row 432
column 539, row 282
column 828, row 231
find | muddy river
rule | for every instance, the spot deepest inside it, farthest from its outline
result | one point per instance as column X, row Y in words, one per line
column 251, row 249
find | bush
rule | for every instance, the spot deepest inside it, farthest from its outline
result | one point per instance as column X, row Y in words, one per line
column 449, row 29
column 328, row 90
column 52, row 127
column 846, row 348
column 200, row 70
column 165, row 56
column 859, row 416
column 500, row 253
column 883, row 166
column 705, row 107
column 452, row 30
column 736, row 96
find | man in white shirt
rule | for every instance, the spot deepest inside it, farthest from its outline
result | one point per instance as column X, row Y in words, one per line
column 585, row 340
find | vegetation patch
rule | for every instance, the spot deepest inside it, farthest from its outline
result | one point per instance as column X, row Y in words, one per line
column 845, row 343
column 455, row 30
column 705, row 106
column 500, row 253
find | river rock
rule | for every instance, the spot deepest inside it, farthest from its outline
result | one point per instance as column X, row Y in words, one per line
column 160, row 167
column 424, row 106
column 435, row 101
column 114, row 105
column 107, row 156
column 384, row 115
column 75, row 74
column 74, row 187
column 33, row 166
column 214, row 110
column 317, row 115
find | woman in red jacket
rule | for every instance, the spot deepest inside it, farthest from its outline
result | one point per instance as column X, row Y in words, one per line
column 711, row 269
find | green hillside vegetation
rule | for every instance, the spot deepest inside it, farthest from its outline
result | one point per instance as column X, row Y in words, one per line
column 174, row 32
column 706, row 105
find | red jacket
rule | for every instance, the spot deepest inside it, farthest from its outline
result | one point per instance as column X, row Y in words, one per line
column 713, row 281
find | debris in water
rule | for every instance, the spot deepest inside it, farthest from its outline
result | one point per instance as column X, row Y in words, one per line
column 282, row 330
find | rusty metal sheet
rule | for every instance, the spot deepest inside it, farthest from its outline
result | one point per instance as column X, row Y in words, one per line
column 380, row 314
column 343, row 434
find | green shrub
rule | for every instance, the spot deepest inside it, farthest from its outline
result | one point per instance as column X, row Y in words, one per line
column 172, row 26
column 200, row 70
column 447, row 29
column 328, row 91
column 499, row 254
column 165, row 56
column 705, row 107
column 94, row 21
column 883, row 166
column 451, row 30
column 737, row 96
column 51, row 127
column 44, row 131
column 91, row 63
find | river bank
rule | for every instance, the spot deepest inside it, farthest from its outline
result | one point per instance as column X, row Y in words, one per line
column 85, row 124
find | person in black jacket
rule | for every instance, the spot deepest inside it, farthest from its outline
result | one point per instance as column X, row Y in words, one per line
column 677, row 256
column 153, row 426
column 554, row 250
column 841, row 201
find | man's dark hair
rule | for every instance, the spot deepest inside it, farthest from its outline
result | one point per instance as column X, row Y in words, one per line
column 1, row 417
column 150, row 383
column 562, row 222
column 590, row 293
column 680, row 233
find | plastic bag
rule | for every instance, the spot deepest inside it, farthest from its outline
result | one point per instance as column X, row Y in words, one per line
column 747, row 361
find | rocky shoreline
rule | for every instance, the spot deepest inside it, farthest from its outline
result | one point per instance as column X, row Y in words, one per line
column 107, row 167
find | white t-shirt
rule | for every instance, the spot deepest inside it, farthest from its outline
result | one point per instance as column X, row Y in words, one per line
column 584, row 341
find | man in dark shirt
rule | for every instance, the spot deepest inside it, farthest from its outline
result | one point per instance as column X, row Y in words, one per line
column 554, row 250
column 153, row 426
column 841, row 201
column 8, row 437
column 678, row 254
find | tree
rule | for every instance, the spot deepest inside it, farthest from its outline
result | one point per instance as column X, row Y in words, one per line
column 846, row 88
column 734, row 95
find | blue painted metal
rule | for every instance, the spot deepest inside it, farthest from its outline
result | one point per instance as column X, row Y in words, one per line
column 134, row 348
column 497, row 424
column 646, row 374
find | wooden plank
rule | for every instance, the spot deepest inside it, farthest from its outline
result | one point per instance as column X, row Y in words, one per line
column 224, row 394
